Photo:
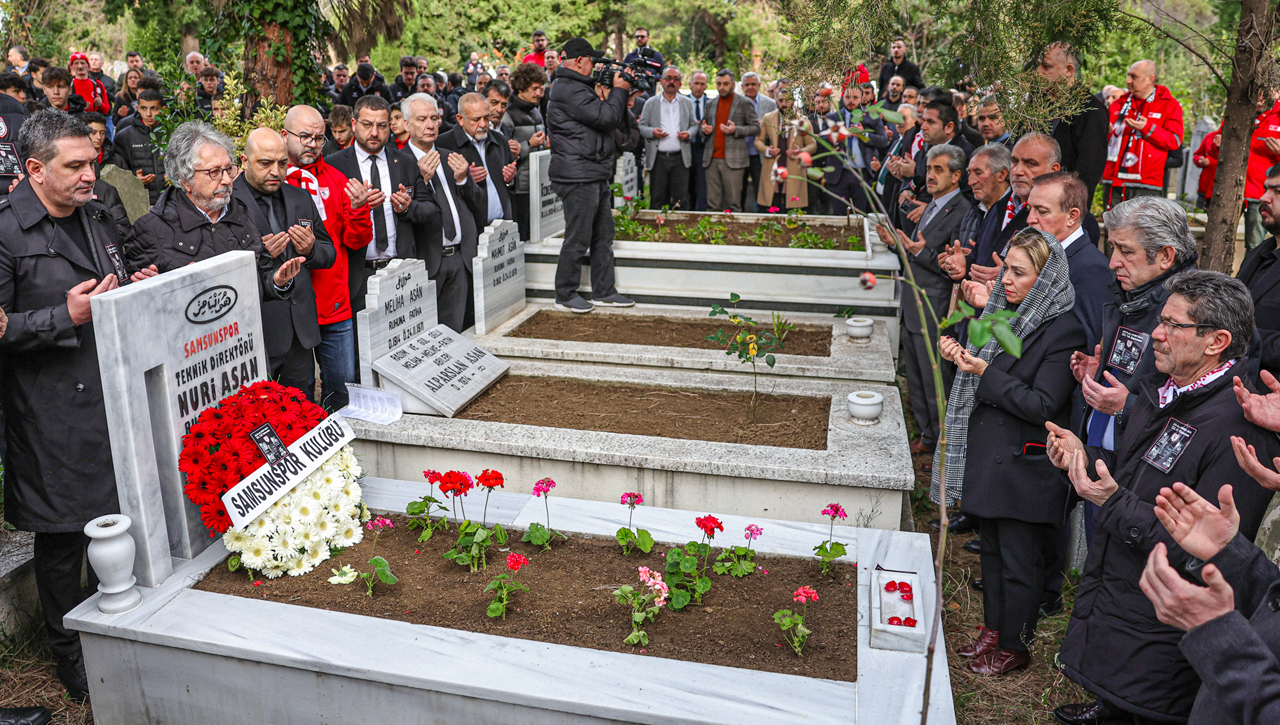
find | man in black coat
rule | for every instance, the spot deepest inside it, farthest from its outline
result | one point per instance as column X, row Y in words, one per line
column 405, row 83
column 136, row 149
column 1057, row 205
column 938, row 226
column 488, row 156
column 448, row 237
column 1261, row 275
column 390, row 174
column 291, row 227
column 365, row 83
column 58, row 249
column 1082, row 137
column 898, row 65
column 1180, row 430
column 847, row 178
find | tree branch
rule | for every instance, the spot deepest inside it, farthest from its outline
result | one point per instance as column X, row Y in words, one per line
column 1197, row 33
column 1208, row 64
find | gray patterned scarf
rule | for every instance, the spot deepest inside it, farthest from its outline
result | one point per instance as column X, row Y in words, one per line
column 1050, row 296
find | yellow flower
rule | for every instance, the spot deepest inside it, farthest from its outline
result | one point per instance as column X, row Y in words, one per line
column 751, row 338
column 735, row 320
column 752, row 349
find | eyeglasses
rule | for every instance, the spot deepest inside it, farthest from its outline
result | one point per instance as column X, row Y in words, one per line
column 1169, row 324
column 370, row 125
column 217, row 174
column 306, row 139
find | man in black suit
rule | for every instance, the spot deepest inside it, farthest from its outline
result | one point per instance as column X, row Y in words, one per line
column 488, row 155
column 1261, row 274
column 291, row 227
column 847, row 178
column 940, row 125
column 1082, row 138
column 447, row 238
column 390, row 175
column 938, row 227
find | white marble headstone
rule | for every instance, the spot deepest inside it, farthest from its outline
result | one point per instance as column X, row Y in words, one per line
column 443, row 368
column 400, row 303
column 546, row 218
column 169, row 347
column 625, row 174
column 497, row 276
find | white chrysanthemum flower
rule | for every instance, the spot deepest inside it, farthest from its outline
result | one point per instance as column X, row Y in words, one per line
column 273, row 572
column 307, row 511
column 235, row 540
column 298, row 567
column 349, row 534
column 256, row 554
column 286, row 541
column 345, row 575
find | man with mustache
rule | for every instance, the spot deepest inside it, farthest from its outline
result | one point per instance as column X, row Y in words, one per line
column 198, row 218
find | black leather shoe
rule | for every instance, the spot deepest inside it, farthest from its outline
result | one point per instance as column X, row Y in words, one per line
column 24, row 716
column 1082, row 713
column 961, row 523
column 71, row 673
column 973, row 546
column 976, row 585
column 1051, row 609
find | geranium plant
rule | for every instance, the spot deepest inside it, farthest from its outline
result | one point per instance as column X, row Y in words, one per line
column 456, row 484
column 639, row 538
column 490, row 480
column 830, row 550
column 685, row 574
column 537, row 534
column 739, row 561
column 381, row 568
column 794, row 623
column 420, row 511
column 504, row 584
column 644, row 603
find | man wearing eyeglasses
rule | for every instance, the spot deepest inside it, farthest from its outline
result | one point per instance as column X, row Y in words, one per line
column 1180, row 422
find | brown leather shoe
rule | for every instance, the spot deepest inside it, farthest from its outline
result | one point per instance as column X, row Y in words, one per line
column 986, row 642
column 1082, row 713
column 999, row 662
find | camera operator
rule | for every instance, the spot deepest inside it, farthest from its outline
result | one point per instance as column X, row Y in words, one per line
column 581, row 127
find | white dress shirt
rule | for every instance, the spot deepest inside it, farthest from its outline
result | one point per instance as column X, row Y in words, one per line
column 443, row 181
column 495, row 201
column 384, row 176
column 1079, row 232
column 670, row 123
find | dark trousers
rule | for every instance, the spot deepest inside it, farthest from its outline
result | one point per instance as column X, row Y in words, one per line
column 751, row 182
column 1014, row 558
column 1112, row 194
column 58, row 562
column 669, row 181
column 920, row 388
column 295, row 368
column 521, row 207
column 588, row 230
column 698, row 179
column 849, row 189
column 453, row 288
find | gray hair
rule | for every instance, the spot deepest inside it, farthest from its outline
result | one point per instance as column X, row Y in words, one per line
column 955, row 156
column 751, row 74
column 406, row 106
column 674, row 68
column 39, row 135
column 194, row 53
column 1218, row 302
column 1055, row 150
column 1158, row 222
column 998, row 157
column 185, row 144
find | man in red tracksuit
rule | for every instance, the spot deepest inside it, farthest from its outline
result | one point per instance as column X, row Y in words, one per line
column 96, row 98
column 1146, row 126
column 1206, row 157
column 1264, row 152
column 342, row 203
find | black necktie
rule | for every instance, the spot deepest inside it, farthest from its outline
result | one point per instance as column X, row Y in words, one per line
column 443, row 202
column 272, row 219
column 379, row 217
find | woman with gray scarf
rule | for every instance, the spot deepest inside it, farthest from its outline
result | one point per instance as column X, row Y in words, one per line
column 995, row 453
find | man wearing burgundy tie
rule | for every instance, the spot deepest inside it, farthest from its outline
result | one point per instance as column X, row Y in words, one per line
column 448, row 238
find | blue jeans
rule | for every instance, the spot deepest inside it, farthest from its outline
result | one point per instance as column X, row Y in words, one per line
column 336, row 354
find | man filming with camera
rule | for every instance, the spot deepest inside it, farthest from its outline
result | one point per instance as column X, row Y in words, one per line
column 581, row 127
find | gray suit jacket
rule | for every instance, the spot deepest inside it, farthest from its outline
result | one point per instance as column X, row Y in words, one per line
column 764, row 105
column 735, row 148
column 938, row 233
column 651, row 118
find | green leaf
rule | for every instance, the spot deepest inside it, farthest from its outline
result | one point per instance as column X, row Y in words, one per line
column 688, row 565
column 480, row 536
column 233, row 564
column 637, row 617
column 679, row 599
column 703, row 585
column 1009, row 341
column 734, row 297
column 891, row 116
column 968, row 311
column 720, row 568
column 979, row 332
column 425, row 535
column 496, row 608
column 837, row 550
column 624, row 535
column 645, row 542
column 781, row 614
column 635, row 637
column 386, row 576
column 813, row 173
column 415, row 508
column 499, row 534
column 955, row 317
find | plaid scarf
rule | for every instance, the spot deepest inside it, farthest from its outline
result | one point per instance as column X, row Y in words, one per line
column 1050, row 296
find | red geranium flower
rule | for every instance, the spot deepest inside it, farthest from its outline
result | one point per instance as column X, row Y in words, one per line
column 490, row 479
column 515, row 561
column 457, row 482
column 709, row 525
column 433, row 477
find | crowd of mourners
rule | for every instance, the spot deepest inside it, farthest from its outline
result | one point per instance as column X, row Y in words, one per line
column 1143, row 392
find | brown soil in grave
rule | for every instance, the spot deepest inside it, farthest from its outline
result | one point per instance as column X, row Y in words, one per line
column 789, row 421
column 570, row 600
column 655, row 331
column 741, row 234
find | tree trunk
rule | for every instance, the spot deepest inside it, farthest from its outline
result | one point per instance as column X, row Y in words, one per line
column 719, row 36
column 1254, row 39
column 265, row 77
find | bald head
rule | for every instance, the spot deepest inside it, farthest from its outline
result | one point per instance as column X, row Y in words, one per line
column 303, row 135
column 263, row 141
column 265, row 160
column 1141, row 78
column 473, row 115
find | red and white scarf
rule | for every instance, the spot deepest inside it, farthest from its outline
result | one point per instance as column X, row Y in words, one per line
column 1170, row 390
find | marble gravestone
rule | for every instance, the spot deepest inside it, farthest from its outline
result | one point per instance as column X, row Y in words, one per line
column 625, row 174
column 132, row 192
column 400, row 303
column 169, row 347
column 498, row 276
column 442, row 368
column 546, row 219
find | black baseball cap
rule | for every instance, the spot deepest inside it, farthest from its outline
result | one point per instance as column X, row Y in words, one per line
column 578, row 47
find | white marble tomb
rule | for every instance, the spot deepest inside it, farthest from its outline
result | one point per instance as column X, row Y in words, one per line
column 546, row 219
column 498, row 276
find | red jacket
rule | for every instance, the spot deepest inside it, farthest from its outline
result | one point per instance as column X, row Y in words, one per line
column 1267, row 125
column 1207, row 152
column 349, row 228
column 1139, row 157
column 94, row 95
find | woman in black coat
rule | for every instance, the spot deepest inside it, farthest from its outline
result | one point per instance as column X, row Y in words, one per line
column 995, row 443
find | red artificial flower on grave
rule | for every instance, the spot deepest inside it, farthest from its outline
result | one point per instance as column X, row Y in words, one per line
column 217, row 452
column 709, row 525
column 490, row 479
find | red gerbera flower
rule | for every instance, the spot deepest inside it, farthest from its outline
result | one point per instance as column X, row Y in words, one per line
column 215, row 517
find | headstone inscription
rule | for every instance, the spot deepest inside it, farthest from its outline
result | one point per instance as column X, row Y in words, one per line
column 498, row 275
column 400, row 303
column 625, row 173
column 169, row 347
column 546, row 217
column 132, row 193
column 442, row 368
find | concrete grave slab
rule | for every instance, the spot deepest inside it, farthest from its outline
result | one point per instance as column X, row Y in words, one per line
column 400, row 303
column 498, row 275
column 546, row 218
column 442, row 368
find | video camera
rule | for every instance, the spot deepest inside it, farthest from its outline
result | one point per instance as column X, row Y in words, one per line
column 642, row 73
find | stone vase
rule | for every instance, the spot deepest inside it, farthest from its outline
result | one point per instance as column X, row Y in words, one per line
column 865, row 407
column 859, row 328
column 111, row 552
